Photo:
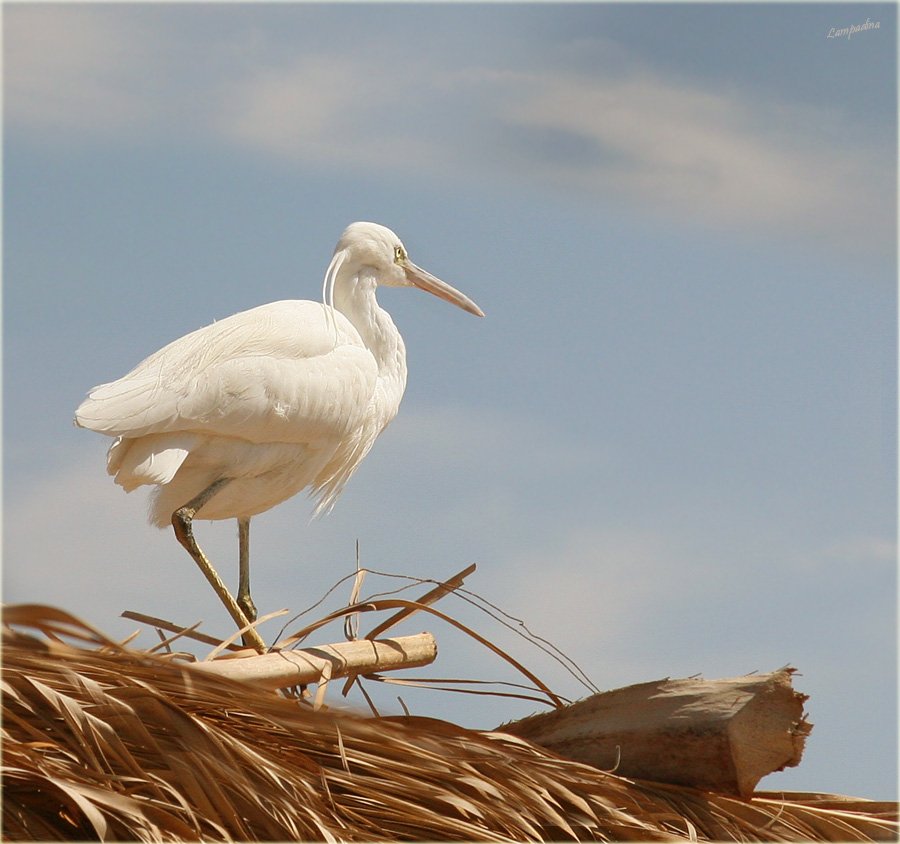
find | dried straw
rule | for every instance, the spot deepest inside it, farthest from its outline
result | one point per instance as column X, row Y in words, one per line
column 108, row 743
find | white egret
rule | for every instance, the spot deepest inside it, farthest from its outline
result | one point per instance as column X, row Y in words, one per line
column 236, row 417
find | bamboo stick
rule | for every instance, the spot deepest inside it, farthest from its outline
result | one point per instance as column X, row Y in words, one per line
column 281, row 669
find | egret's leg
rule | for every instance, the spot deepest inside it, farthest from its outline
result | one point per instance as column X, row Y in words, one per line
column 245, row 602
column 184, row 533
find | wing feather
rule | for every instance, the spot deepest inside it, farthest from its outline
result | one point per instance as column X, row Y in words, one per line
column 281, row 372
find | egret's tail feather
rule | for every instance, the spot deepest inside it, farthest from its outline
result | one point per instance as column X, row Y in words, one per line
column 114, row 408
column 152, row 459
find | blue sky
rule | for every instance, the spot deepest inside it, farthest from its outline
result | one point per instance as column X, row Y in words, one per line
column 670, row 445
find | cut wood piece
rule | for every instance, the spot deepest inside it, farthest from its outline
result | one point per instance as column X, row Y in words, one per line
column 281, row 669
column 717, row 735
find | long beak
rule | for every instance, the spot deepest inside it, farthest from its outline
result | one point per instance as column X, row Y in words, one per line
column 424, row 280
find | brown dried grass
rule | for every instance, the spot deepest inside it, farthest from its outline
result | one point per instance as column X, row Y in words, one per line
column 107, row 743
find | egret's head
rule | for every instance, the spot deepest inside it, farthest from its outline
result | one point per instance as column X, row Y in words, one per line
column 369, row 246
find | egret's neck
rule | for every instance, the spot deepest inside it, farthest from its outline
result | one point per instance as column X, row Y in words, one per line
column 354, row 297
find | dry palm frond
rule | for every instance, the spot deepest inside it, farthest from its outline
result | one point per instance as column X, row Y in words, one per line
column 113, row 744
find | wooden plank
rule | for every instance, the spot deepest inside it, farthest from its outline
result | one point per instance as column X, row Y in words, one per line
column 718, row 735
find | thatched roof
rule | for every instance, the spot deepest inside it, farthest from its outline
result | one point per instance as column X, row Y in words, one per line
column 104, row 742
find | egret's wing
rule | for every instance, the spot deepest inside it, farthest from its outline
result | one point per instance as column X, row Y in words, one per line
column 284, row 372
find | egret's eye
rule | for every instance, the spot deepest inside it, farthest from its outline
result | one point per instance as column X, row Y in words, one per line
column 399, row 254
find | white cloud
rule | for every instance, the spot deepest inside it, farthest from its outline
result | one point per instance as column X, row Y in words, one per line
column 73, row 69
column 322, row 108
column 691, row 149
column 626, row 134
column 863, row 550
column 593, row 584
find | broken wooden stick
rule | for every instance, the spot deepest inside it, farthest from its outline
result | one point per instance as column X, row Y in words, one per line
column 426, row 600
column 281, row 669
column 717, row 735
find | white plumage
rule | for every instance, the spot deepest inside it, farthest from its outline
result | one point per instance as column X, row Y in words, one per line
column 284, row 397
column 267, row 397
